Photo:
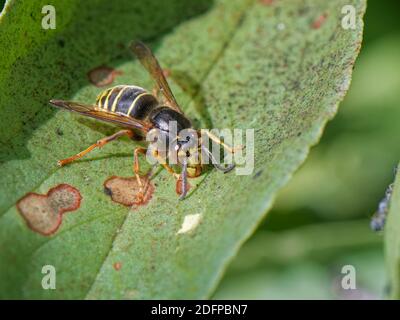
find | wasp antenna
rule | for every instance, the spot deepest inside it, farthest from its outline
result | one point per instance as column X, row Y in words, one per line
column 217, row 165
column 228, row 168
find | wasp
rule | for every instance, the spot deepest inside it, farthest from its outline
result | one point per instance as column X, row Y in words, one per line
column 137, row 112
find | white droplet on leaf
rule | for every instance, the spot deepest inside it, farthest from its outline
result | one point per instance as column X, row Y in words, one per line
column 190, row 222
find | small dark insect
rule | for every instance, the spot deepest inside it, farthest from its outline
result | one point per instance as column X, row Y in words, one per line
column 379, row 218
column 138, row 112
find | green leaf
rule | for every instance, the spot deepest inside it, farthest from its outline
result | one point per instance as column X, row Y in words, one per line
column 354, row 160
column 235, row 64
column 392, row 241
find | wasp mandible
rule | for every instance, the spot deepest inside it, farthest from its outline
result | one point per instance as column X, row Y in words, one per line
column 138, row 111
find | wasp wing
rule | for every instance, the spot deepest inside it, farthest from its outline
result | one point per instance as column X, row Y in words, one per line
column 149, row 61
column 97, row 113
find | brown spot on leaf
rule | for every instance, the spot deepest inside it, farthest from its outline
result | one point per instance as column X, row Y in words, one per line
column 117, row 266
column 319, row 21
column 126, row 191
column 103, row 76
column 178, row 187
column 266, row 2
column 43, row 213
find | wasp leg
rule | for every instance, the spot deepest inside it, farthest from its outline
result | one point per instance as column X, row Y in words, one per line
column 136, row 136
column 98, row 144
column 136, row 169
column 164, row 164
column 183, row 175
column 170, row 170
column 218, row 140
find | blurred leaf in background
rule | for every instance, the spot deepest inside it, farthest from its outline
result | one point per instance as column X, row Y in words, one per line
column 392, row 240
column 333, row 195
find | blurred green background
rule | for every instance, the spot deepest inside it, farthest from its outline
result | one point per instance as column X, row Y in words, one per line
column 320, row 222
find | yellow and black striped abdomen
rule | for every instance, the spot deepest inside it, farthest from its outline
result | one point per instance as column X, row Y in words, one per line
column 132, row 101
